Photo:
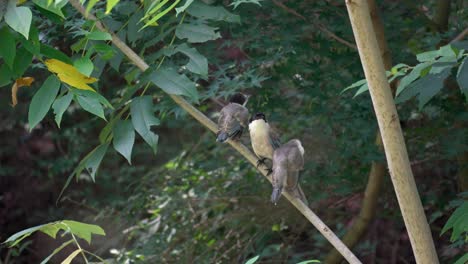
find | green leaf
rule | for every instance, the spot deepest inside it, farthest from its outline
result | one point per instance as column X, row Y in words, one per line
column 6, row 75
column 22, row 61
column 172, row 82
column 427, row 56
column 18, row 18
column 447, row 51
column 426, row 87
column 218, row 13
column 236, row 3
column 16, row 238
column 60, row 105
column 457, row 222
column 53, row 53
column 7, row 46
column 412, row 76
column 94, row 95
column 51, row 7
column 462, row 77
column 42, row 100
column 196, row 33
column 309, row 261
column 83, row 230
column 183, row 7
column 70, row 257
column 439, row 67
column 362, row 89
column 99, row 35
column 252, row 260
column 354, row 85
column 32, row 44
column 93, row 160
column 57, row 250
column 84, row 65
column 463, row 259
column 110, row 4
column 198, row 63
column 91, row 4
column 91, row 105
column 124, row 138
column 141, row 109
column 154, row 19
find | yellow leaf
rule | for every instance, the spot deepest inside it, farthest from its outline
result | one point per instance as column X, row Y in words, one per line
column 70, row 75
column 20, row 82
column 71, row 256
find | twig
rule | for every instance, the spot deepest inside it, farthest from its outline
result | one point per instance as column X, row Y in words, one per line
column 460, row 36
column 320, row 26
column 204, row 120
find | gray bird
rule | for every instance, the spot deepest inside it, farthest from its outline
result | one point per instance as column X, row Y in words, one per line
column 288, row 160
column 233, row 118
column 264, row 139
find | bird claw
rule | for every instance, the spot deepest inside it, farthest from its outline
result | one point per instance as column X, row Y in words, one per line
column 269, row 171
column 260, row 162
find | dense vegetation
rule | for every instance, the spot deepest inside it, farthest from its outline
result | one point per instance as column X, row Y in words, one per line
column 90, row 136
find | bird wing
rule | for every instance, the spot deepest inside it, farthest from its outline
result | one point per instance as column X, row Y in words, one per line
column 242, row 116
column 274, row 139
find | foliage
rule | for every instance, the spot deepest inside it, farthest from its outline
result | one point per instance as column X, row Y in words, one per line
column 78, row 229
column 196, row 200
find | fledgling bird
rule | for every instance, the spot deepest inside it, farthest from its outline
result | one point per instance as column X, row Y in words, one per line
column 233, row 118
column 264, row 140
column 288, row 160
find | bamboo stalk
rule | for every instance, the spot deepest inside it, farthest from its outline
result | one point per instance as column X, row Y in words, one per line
column 392, row 137
column 243, row 150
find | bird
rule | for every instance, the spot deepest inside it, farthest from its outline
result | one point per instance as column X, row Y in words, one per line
column 288, row 160
column 264, row 139
column 233, row 118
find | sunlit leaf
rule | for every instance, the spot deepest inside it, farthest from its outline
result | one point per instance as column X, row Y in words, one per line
column 83, row 230
column 69, row 74
column 154, row 19
column 252, row 260
column 110, row 4
column 56, row 9
column 143, row 118
column 69, row 259
column 24, row 81
column 42, row 100
column 18, row 18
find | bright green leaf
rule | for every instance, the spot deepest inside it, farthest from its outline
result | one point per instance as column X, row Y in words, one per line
column 354, row 85
column 18, row 237
column 309, row 261
column 99, row 35
column 60, row 105
column 172, row 82
column 42, row 100
column 84, row 65
column 154, row 19
column 462, row 260
column 197, row 33
column 362, row 89
column 91, row 105
column 141, row 109
column 56, row 9
column 91, row 4
column 218, row 13
column 18, row 18
column 462, row 77
column 110, row 4
column 252, row 260
column 83, row 230
column 7, row 46
column 69, row 259
column 124, row 138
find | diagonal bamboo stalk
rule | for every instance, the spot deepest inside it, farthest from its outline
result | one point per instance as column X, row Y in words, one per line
column 243, row 150
column 392, row 137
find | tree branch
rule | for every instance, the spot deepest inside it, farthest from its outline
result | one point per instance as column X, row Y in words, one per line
column 392, row 136
column 460, row 36
column 243, row 150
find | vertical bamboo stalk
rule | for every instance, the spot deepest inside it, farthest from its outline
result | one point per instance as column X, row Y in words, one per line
column 392, row 137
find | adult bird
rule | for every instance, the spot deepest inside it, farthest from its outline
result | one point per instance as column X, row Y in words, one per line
column 288, row 160
column 233, row 118
column 264, row 140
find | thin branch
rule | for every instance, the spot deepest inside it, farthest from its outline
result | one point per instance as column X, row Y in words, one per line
column 319, row 25
column 204, row 120
column 460, row 36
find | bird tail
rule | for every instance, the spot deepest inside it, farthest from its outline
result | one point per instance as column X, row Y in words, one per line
column 297, row 192
column 276, row 194
column 222, row 136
